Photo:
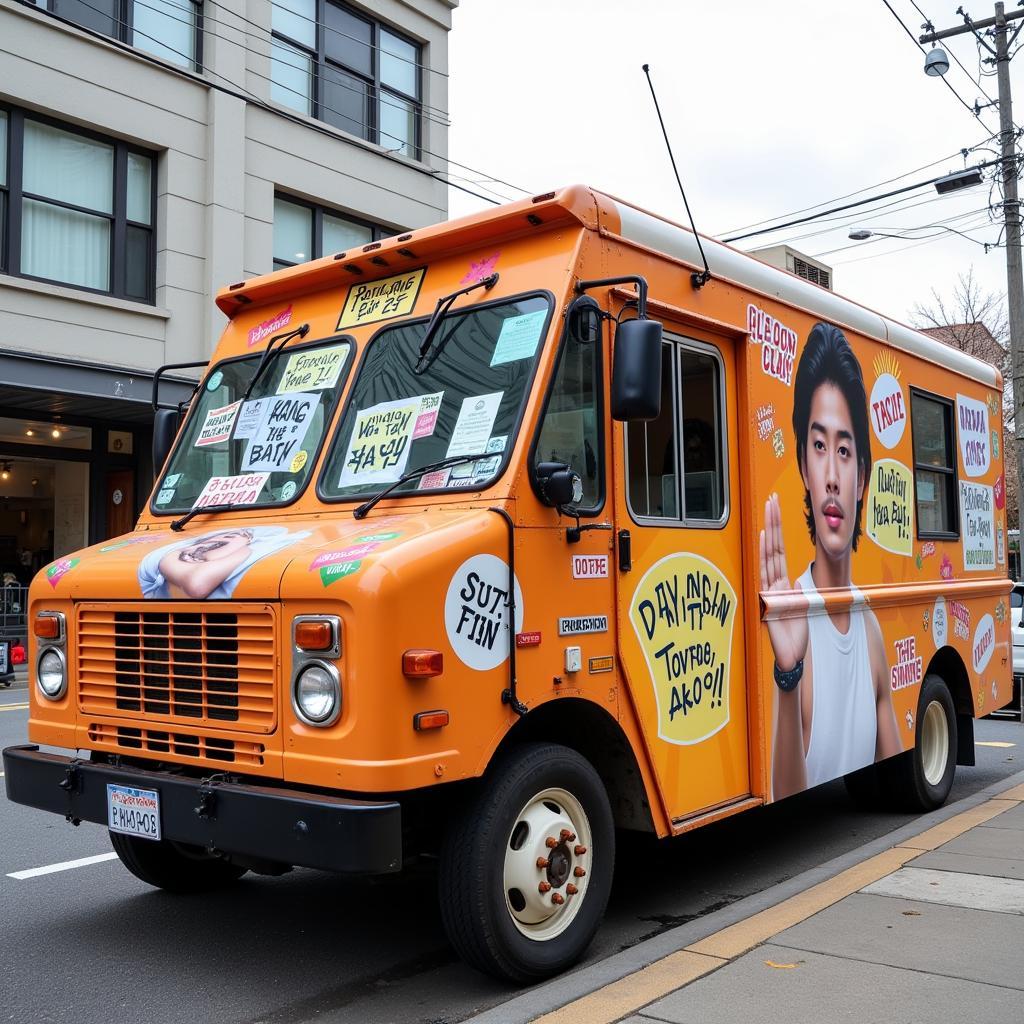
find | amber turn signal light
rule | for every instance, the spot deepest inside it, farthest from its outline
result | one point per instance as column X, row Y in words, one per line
column 314, row 635
column 419, row 664
column 47, row 627
column 430, row 720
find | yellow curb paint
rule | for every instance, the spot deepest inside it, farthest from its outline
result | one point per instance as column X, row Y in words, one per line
column 1017, row 793
column 621, row 997
column 738, row 938
column 940, row 834
column 993, row 743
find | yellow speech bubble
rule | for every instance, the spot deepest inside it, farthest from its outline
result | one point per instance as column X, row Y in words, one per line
column 683, row 611
column 890, row 507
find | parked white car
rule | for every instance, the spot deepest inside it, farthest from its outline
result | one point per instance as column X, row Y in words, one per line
column 1017, row 627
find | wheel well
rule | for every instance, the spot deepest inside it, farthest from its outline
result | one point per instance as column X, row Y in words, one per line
column 592, row 732
column 949, row 666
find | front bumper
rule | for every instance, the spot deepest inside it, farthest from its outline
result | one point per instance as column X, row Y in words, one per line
column 267, row 823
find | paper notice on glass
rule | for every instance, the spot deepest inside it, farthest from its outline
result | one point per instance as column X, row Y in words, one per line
column 473, row 427
column 217, row 425
column 313, row 370
column 430, row 405
column 436, row 478
column 381, row 439
column 250, row 418
column 243, row 489
column 281, row 432
column 518, row 338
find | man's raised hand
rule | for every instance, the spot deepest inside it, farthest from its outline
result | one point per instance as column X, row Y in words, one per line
column 789, row 635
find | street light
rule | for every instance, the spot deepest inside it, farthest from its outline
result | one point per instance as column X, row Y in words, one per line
column 936, row 63
column 860, row 234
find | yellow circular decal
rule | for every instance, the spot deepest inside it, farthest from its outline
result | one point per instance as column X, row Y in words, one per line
column 299, row 461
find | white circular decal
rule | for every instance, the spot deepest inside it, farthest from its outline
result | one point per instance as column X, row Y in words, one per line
column 214, row 382
column 888, row 410
column 288, row 490
column 117, row 496
column 476, row 612
column 984, row 643
column 939, row 623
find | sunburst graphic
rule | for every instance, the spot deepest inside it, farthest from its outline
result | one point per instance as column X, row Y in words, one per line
column 885, row 362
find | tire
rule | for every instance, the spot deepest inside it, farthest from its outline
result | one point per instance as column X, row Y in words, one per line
column 538, row 803
column 920, row 779
column 174, row 867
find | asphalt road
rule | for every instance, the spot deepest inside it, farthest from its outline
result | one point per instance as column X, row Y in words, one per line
column 94, row 945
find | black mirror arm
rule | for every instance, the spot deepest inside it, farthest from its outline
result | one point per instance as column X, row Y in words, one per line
column 573, row 535
column 604, row 282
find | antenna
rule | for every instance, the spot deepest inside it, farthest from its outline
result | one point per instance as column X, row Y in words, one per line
column 698, row 280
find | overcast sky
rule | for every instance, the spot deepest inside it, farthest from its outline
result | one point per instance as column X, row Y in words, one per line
column 771, row 107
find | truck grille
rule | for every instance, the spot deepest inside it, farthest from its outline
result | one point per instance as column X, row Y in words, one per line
column 128, row 739
column 165, row 664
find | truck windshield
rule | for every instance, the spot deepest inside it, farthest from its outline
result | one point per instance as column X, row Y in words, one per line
column 467, row 398
column 260, row 451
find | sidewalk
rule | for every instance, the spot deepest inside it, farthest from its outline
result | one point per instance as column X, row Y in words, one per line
column 925, row 924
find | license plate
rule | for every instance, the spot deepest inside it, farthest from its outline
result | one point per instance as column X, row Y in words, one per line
column 135, row 812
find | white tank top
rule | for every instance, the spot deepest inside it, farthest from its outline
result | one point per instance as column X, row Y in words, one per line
column 843, row 716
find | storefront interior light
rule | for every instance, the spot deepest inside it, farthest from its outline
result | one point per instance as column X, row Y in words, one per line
column 5, row 473
column 30, row 432
column 55, row 434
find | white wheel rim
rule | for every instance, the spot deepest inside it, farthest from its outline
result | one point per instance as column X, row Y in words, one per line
column 545, row 885
column 934, row 743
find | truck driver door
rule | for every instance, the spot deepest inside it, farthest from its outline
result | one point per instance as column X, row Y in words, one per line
column 679, row 606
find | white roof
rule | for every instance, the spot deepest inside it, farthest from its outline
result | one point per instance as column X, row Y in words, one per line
column 728, row 264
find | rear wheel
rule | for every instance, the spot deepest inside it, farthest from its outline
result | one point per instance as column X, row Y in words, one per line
column 175, row 867
column 526, row 868
column 922, row 778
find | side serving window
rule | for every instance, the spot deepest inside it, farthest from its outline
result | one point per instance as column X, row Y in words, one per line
column 683, row 482
column 571, row 429
column 931, row 422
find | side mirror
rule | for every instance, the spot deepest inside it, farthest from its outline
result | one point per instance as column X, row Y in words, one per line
column 584, row 318
column 558, row 484
column 165, row 430
column 636, row 373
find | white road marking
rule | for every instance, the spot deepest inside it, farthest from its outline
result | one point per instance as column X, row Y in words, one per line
column 66, row 865
column 993, row 743
column 953, row 888
column 12, row 707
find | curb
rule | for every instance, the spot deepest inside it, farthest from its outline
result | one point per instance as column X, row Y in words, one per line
column 693, row 949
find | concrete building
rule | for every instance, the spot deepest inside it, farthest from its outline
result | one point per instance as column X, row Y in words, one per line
column 152, row 151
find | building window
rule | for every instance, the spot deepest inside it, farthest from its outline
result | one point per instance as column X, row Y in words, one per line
column 931, row 422
column 75, row 208
column 304, row 232
column 168, row 29
column 338, row 66
column 681, row 482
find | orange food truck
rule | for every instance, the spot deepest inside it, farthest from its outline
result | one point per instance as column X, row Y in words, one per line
column 487, row 539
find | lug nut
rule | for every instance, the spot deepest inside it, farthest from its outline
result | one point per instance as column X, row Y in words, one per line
column 557, row 898
column 580, row 850
column 551, row 842
column 579, row 872
column 544, row 887
column 571, row 889
column 567, row 836
column 542, row 862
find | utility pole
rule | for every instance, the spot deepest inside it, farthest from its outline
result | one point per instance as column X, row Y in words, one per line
column 1011, row 214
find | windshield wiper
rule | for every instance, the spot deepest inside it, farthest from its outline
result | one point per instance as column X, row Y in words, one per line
column 441, row 311
column 270, row 354
column 411, row 474
column 179, row 524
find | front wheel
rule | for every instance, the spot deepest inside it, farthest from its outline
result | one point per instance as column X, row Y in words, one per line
column 526, row 868
column 175, row 867
column 922, row 778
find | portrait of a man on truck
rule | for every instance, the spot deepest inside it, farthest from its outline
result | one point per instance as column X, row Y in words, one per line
column 834, row 705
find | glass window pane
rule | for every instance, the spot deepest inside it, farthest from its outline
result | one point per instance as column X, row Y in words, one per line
column 65, row 245
column 99, row 15
column 140, row 189
column 703, row 482
column 138, row 269
column 3, row 147
column 68, row 167
column 291, row 77
column 929, row 421
column 345, row 102
column 934, row 492
column 348, row 39
column 341, row 234
column 293, row 232
column 397, row 124
column 166, row 28
column 651, row 450
column 295, row 19
column 398, row 60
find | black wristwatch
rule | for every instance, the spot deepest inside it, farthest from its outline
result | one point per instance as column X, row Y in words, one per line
column 787, row 681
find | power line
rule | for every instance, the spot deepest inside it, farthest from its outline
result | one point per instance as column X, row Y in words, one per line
column 891, row 252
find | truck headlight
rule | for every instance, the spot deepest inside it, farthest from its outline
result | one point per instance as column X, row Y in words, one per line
column 317, row 694
column 52, row 673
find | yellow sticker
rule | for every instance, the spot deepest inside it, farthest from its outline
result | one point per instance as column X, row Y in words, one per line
column 889, row 516
column 372, row 301
column 313, row 370
column 299, row 461
column 683, row 611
